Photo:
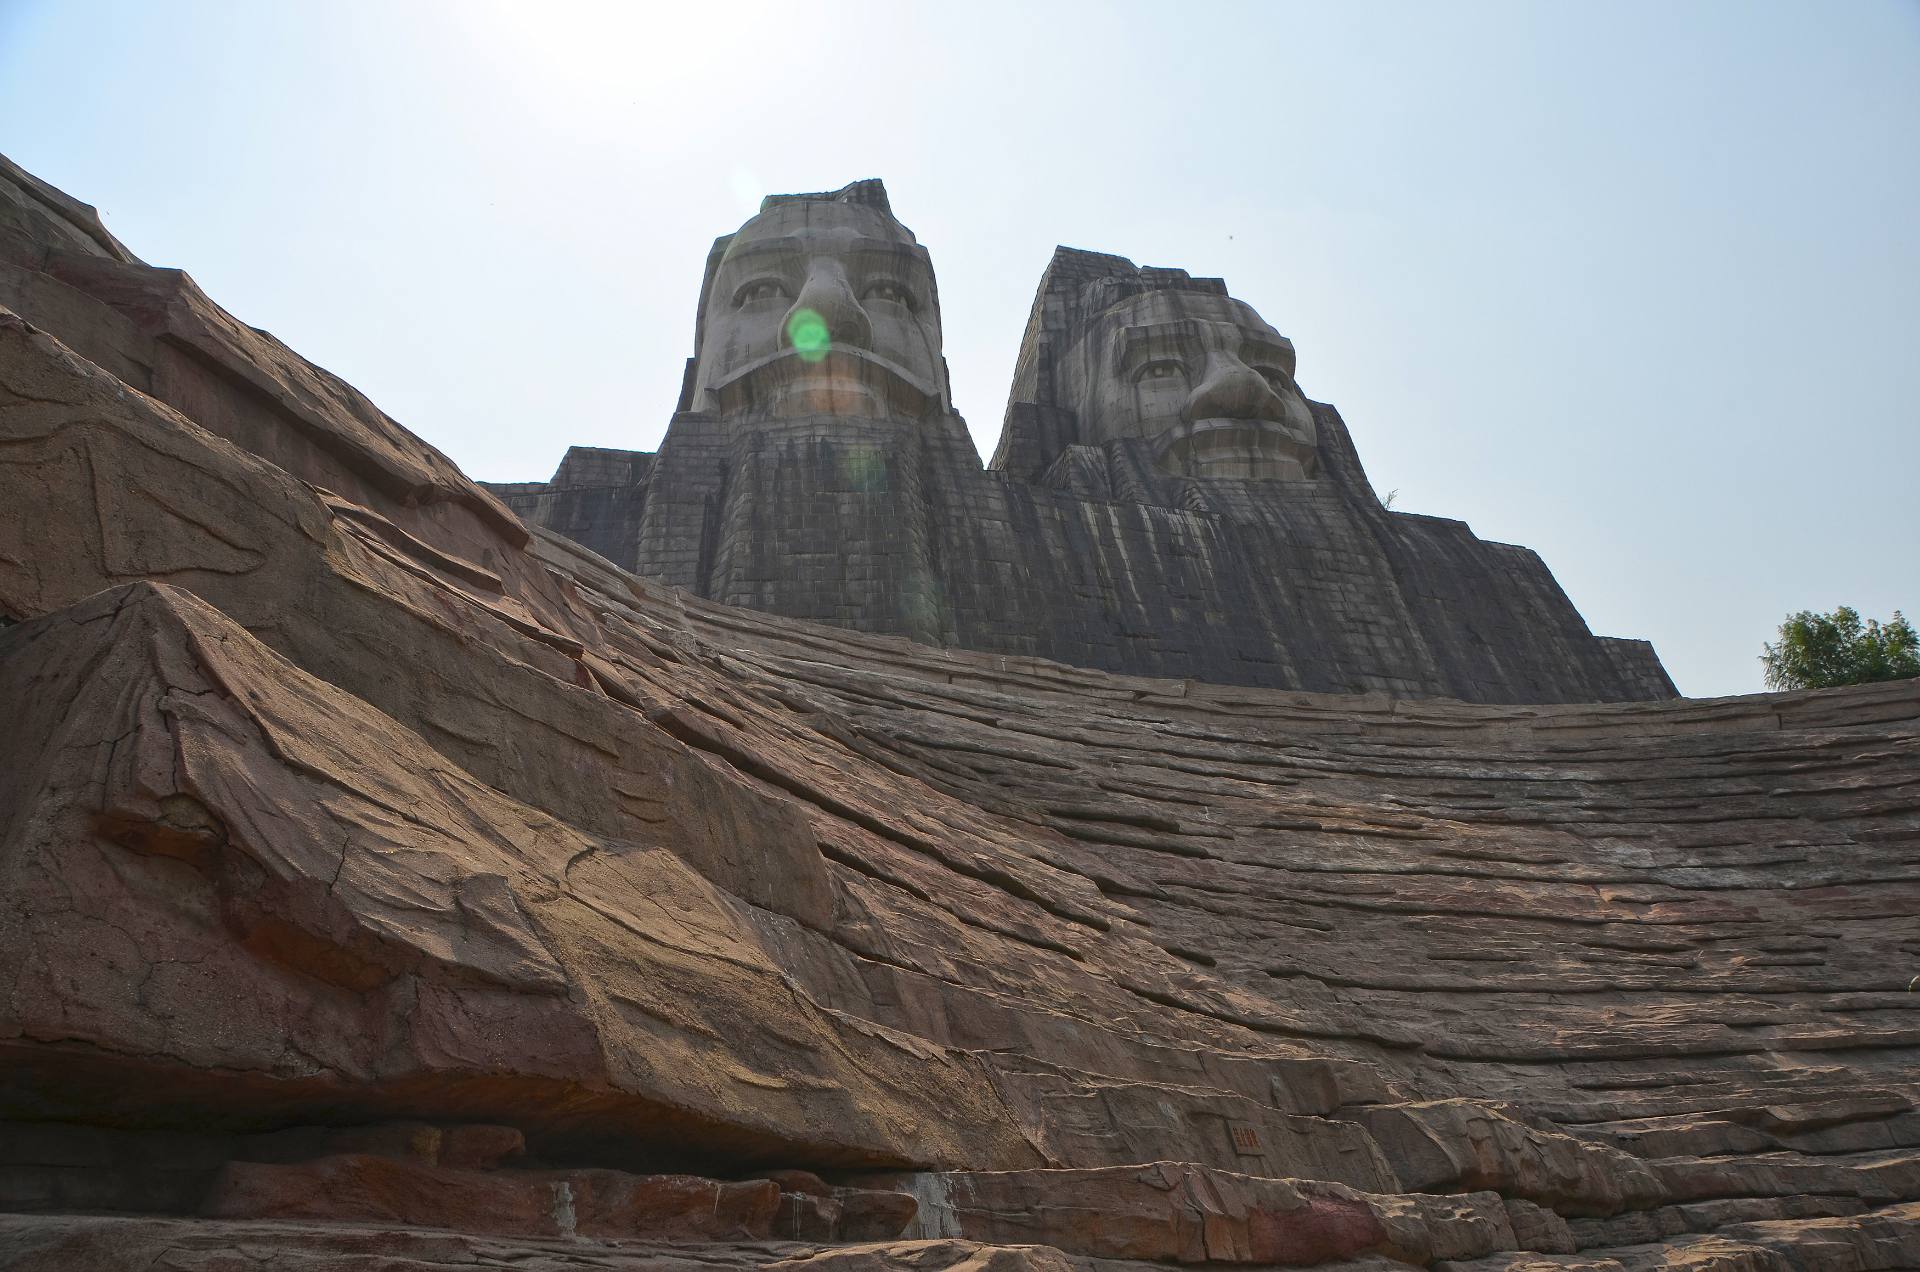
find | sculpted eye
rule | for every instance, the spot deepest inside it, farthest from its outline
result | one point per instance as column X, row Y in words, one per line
column 886, row 289
column 1164, row 369
column 760, row 289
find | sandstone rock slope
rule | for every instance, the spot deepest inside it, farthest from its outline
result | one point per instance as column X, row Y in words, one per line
column 384, row 885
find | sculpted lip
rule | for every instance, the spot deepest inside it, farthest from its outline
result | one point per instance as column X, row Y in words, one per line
column 1245, row 448
column 1247, row 424
column 784, row 380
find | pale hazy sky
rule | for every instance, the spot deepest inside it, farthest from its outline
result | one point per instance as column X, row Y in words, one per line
column 1634, row 284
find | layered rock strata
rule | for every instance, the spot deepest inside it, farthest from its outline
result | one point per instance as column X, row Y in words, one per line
column 386, row 885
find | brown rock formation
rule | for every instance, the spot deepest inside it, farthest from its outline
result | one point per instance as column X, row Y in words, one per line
column 382, row 886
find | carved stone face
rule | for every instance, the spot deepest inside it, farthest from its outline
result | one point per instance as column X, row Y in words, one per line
column 821, row 308
column 1202, row 378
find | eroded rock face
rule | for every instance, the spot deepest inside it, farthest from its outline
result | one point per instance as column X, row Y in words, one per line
column 384, row 885
column 526, row 1203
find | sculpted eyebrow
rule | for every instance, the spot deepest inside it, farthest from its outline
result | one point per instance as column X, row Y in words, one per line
column 791, row 244
column 766, row 247
column 887, row 247
column 890, row 255
column 868, row 253
column 1179, row 335
column 1278, row 350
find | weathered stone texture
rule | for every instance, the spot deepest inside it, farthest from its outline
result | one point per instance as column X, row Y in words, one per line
column 1123, row 525
column 593, row 499
column 386, row 886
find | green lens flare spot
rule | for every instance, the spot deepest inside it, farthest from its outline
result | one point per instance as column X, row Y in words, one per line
column 807, row 330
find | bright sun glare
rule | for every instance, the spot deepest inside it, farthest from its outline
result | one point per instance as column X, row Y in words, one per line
column 578, row 57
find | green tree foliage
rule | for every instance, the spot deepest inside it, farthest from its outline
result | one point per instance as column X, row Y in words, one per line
column 1818, row 651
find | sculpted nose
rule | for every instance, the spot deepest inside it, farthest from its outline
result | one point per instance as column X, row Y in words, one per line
column 828, row 294
column 1230, row 389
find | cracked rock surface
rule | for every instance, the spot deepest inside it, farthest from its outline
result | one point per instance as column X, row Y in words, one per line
column 384, row 885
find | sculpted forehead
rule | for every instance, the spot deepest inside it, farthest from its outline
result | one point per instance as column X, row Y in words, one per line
column 789, row 234
column 810, row 218
column 1168, row 312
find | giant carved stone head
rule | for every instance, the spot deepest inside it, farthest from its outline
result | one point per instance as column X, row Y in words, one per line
column 822, row 304
column 1171, row 362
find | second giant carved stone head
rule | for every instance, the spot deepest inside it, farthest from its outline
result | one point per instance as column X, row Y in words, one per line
column 1198, row 376
column 1168, row 363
